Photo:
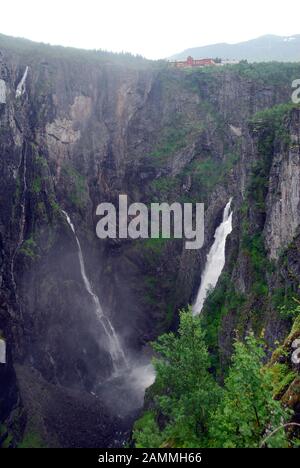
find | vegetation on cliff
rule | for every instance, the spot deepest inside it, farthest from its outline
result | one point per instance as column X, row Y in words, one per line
column 188, row 408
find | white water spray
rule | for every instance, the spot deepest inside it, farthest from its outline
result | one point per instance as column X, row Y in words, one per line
column 215, row 259
column 2, row 92
column 117, row 354
column 2, row 351
column 21, row 86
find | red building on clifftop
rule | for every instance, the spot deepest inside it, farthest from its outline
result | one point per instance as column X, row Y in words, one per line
column 190, row 62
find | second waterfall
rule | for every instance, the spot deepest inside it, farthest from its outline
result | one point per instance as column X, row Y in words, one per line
column 115, row 349
column 215, row 259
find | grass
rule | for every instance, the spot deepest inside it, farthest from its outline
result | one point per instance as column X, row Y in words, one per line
column 31, row 440
column 164, row 186
column 37, row 185
column 77, row 185
column 282, row 376
column 9, row 437
column 206, row 172
column 29, row 248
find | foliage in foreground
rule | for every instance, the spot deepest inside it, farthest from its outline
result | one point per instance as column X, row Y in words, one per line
column 248, row 409
column 186, row 390
column 189, row 408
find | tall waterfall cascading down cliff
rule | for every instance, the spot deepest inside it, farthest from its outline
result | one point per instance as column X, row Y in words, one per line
column 21, row 86
column 115, row 349
column 215, row 259
column 22, row 170
column 2, row 351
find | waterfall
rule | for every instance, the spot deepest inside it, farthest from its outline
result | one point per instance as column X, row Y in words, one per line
column 23, row 163
column 2, row 92
column 215, row 259
column 2, row 351
column 117, row 354
column 21, row 86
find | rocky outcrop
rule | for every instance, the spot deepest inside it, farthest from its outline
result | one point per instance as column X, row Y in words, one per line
column 283, row 202
column 284, row 369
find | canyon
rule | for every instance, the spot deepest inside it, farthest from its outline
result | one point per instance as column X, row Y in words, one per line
column 77, row 313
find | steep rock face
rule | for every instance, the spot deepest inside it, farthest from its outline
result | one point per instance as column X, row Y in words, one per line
column 262, row 267
column 84, row 129
column 50, row 323
column 283, row 203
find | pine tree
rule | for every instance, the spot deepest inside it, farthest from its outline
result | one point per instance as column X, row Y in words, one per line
column 247, row 409
column 186, row 391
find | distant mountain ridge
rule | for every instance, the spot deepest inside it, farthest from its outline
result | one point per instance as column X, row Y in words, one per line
column 262, row 49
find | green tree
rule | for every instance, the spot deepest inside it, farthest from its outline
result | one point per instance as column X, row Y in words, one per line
column 247, row 411
column 186, row 392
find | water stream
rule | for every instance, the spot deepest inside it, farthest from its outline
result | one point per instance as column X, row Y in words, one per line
column 21, row 86
column 115, row 349
column 215, row 259
column 23, row 177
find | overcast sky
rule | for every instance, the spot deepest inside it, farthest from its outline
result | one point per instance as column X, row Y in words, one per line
column 153, row 28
